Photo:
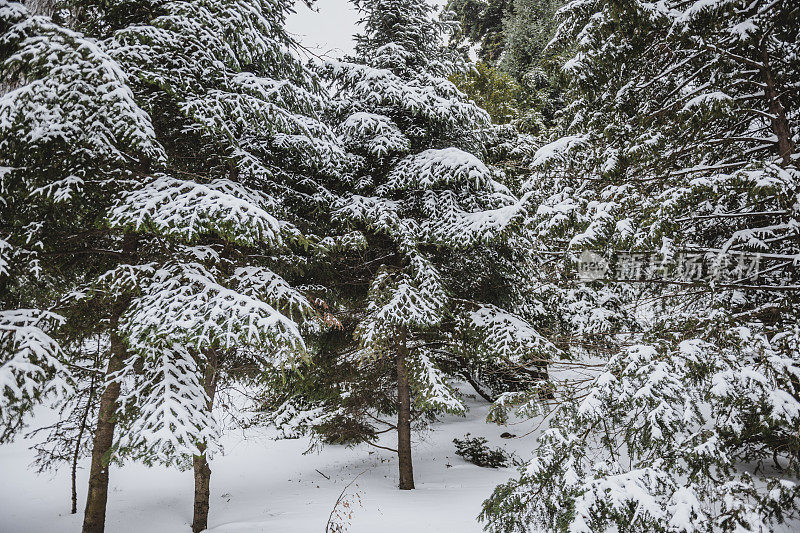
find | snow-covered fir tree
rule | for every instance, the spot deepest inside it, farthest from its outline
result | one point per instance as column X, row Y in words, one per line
column 679, row 145
column 70, row 129
column 431, row 295
column 201, row 156
column 236, row 111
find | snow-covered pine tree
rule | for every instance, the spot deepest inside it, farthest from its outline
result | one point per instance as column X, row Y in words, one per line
column 70, row 130
column 182, row 223
column 680, row 143
column 436, row 222
column 234, row 110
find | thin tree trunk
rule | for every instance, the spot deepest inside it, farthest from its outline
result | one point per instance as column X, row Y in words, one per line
column 780, row 124
column 404, row 416
column 95, row 516
column 79, row 440
column 202, row 472
column 477, row 386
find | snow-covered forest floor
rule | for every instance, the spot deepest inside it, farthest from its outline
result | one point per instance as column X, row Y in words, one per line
column 263, row 484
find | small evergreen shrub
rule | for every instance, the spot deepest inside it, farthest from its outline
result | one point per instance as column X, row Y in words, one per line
column 476, row 451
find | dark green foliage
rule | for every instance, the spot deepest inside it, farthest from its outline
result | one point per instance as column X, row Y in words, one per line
column 335, row 396
column 493, row 90
column 441, row 258
column 679, row 139
column 482, row 22
column 528, row 28
column 513, row 38
column 475, row 450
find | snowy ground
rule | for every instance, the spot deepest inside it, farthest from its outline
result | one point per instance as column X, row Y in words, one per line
column 265, row 485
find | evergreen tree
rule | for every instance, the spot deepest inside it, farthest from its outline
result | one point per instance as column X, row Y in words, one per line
column 482, row 24
column 528, row 29
column 679, row 144
column 436, row 225
column 493, row 90
column 69, row 130
column 512, row 37
column 192, row 213
column 236, row 112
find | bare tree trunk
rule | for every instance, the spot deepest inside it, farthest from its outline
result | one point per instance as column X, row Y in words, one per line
column 202, row 472
column 780, row 125
column 79, row 440
column 404, row 416
column 95, row 516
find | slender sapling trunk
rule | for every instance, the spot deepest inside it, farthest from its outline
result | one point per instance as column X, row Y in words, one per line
column 95, row 515
column 404, row 416
column 202, row 472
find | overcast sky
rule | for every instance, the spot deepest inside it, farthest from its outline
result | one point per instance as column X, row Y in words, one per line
column 330, row 29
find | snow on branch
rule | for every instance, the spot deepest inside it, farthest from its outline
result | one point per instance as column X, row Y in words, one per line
column 558, row 150
column 449, row 224
column 30, row 364
column 172, row 415
column 249, row 121
column 508, row 336
column 186, row 304
column 263, row 283
column 442, row 168
column 375, row 134
column 379, row 214
column 187, row 209
column 415, row 301
column 430, row 386
column 69, row 94
column 436, row 99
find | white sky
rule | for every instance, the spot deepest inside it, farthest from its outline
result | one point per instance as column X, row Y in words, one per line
column 329, row 30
